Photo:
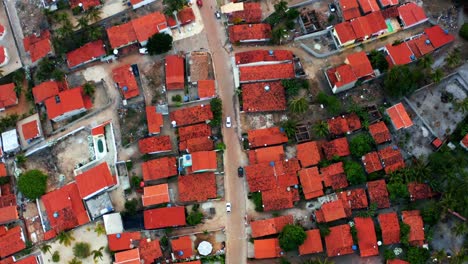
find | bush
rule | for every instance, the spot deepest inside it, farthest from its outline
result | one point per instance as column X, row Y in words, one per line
column 290, row 24
column 177, row 98
column 324, row 230
column 164, row 241
column 397, row 190
column 4, row 180
column 404, row 233
column 135, row 182
column 217, row 109
column 417, row 255
column 464, row 31
column 194, row 218
column 293, row 86
column 32, row 184
column 56, row 256
column 131, row 207
column 159, row 43
column 291, row 237
column 354, row 173
column 378, row 60
column 82, row 250
column 389, row 254
column 332, row 104
column 401, row 81
column 257, row 200
column 361, row 145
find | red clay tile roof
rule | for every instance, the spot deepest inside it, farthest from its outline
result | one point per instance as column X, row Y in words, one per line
column 368, row 6
column 195, row 131
column 121, row 35
column 131, row 256
column 86, row 4
column 204, row 161
column 148, row 25
column 361, row 27
column 399, row 116
column 154, row 119
column 252, row 13
column 330, row 212
column 420, row 46
column 420, row 191
column 463, row 142
column 334, row 176
column 309, row 153
column 388, row 2
column 11, row 241
column 391, row 158
column 263, row 97
column 390, row 228
column 371, row 162
column 45, row 90
column 267, row 72
column 8, row 214
column 339, row 242
column 266, row 137
column 94, row 180
column 377, row 22
column 186, row 15
column 437, row 143
column 343, row 124
column 155, row 144
column 175, row 72
column 360, row 64
column 32, row 259
column 64, row 102
column 182, row 247
column 350, row 9
column 253, row 56
column 124, row 78
column 8, row 95
column 156, row 194
column 311, row 183
column 341, row 75
column 249, row 32
column 261, row 155
column 267, row 248
column 380, row 132
column 414, row 220
column 337, row 147
column 38, row 46
column 411, row 14
column 206, row 88
column 122, row 241
column 65, row 208
column 30, row 130
column 400, row 54
column 345, row 32
column 278, row 198
column 159, row 168
column 88, row 52
column 192, row 115
column 164, row 217
column 268, row 175
column 196, row 144
column 150, row 250
column 378, row 193
column 271, row 226
column 312, row 244
column 354, row 199
column 366, row 236
column 397, row 261
column 197, row 187
column 438, row 37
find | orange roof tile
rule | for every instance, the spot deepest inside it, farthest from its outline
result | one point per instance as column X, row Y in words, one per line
column 354, row 199
column 368, row 5
column 312, row 244
column 334, row 176
column 400, row 54
column 377, row 22
column 266, row 136
column 361, row 27
column 8, row 214
column 85, row 4
column 131, row 256
column 267, row 248
column 125, row 80
column 11, row 241
column 309, row 153
column 196, row 144
column 390, row 228
column 311, row 183
column 121, row 35
column 148, row 25
column 186, row 15
column 380, row 132
column 345, row 32
column 341, row 75
column 278, row 198
column 45, row 90
column 371, row 162
column 192, row 115
column 397, row 261
column 154, row 119
column 360, row 64
column 420, row 191
column 263, row 97
column 8, row 95
column 253, row 56
column 175, row 72
column 86, row 53
column 155, row 144
column 268, row 175
column 206, row 88
column 65, row 102
column 30, row 130
column 391, row 158
column 330, row 212
column 197, row 187
column 463, row 142
column 252, row 13
column 438, row 37
column 350, row 9
column 399, row 116
column 150, row 251
column 38, row 46
column 339, row 242
column 94, row 180
column 160, row 168
column 204, row 161
column 411, row 14
column 270, row 226
column 32, row 259
column 420, row 46
column 156, row 194
column 195, row 131
column 385, row 3
column 266, row 72
column 164, row 217
column 182, row 247
column 3, row 171
column 378, row 193
column 249, row 32
column 366, row 236
column 415, row 221
column 261, row 155
column 123, row 241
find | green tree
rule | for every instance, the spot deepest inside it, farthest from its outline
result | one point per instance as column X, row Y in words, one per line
column 89, row 88
column 94, row 33
column 437, row 76
column 83, row 23
column 164, row 241
column 93, row 14
column 404, row 233
column 100, row 229
column 281, row 7
column 159, row 43
column 65, row 238
column 400, row 81
column 426, row 62
column 331, row 103
column 293, row 86
column 56, row 256
column 46, row 248
column 82, row 250
column 397, row 190
column 318, row 261
column 32, row 184
column 135, row 182
column 194, row 218
column 324, row 229
column 417, row 255
column 131, row 206
column 220, row 146
column 66, row 31
column 361, row 145
column 20, row 159
column 389, row 254
column 278, row 34
column 75, row 261
column 299, row 105
column 257, row 201
column 97, row 254
column 354, row 173
column 289, row 127
column 378, row 60
column 460, row 229
column 464, row 31
column 57, row 75
column 291, row 237
column 453, row 59
column 173, row 5
column 462, row 105
column 321, row 129
column 44, row 68
column 217, row 109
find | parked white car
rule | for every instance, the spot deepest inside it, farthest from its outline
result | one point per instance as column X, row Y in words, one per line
column 228, row 121
column 228, row 207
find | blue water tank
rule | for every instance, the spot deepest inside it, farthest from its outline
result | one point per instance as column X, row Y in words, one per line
column 354, row 247
column 272, row 163
column 118, row 235
column 125, row 88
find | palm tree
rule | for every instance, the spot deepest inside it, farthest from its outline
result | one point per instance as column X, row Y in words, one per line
column 460, row 229
column 437, row 75
column 289, row 127
column 89, row 88
column 462, row 105
column 66, row 30
column 94, row 33
column 281, row 7
column 299, row 105
column 83, row 23
column 97, row 254
column 321, row 129
column 99, row 229
column 94, row 14
column 426, row 62
column 65, row 238
column 75, row 261
column 46, row 248
column 439, row 256
column 277, row 35
column 453, row 59
column 62, row 18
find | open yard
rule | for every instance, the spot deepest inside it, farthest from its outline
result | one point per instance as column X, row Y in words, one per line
column 132, row 123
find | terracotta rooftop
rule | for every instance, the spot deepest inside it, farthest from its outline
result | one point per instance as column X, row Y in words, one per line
column 252, row 13
column 463, row 142
column 399, row 116
column 312, row 244
column 366, row 236
column 253, row 56
column 344, row 124
column 372, row 162
column 420, row 46
column 186, row 15
column 155, row 144
column 380, row 132
column 196, row 144
column 150, row 251
column 65, row 102
column 88, row 52
column 263, row 97
column 391, row 158
column 278, row 198
column 154, row 119
column 85, row 4
column 267, row 248
column 8, row 214
column 420, row 191
column 368, row 6
column 341, row 75
column 271, row 226
column 192, row 115
column 164, row 217
column 360, row 64
column 266, row 137
column 414, row 220
column 198, row 187
column 268, row 175
column 249, row 32
column 199, row 66
column 156, row 194
column 11, row 241
column 182, row 247
column 388, row 2
column 38, row 46
column 30, row 130
column 378, row 193
column 337, row 147
column 339, row 242
column 411, row 14
column 94, row 180
column 3, row 171
column 267, row 72
column 121, row 35
column 123, row 241
column 345, row 32
column 195, row 131
column 31, row 259
column 438, row 37
column 124, row 78
column 397, row 261
column 175, row 72
column 361, row 27
column 354, row 199
column 148, row 25
column 45, row 90
column 400, row 54
column 309, row 153
column 8, row 95
column 131, row 256
column 390, row 228
column 350, row 9
column 204, row 161
column 311, row 183
column 160, row 168
column 334, row 176
column 330, row 211
column 262, row 155
column 206, row 88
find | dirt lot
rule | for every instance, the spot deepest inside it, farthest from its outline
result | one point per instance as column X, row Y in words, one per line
column 443, row 12
column 132, row 123
column 152, row 78
column 31, row 17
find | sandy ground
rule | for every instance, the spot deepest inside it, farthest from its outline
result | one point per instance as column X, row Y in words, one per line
column 23, row 106
column 81, row 234
column 112, row 7
column 190, row 29
column 8, row 42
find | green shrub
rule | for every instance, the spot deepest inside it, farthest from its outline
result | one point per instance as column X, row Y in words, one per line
column 82, row 250
column 464, row 31
column 291, row 237
column 194, row 218
column 56, row 256
column 32, row 184
column 257, row 200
